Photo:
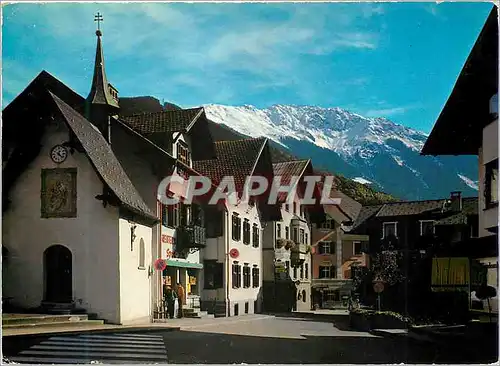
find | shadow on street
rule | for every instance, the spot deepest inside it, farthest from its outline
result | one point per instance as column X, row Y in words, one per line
column 202, row 347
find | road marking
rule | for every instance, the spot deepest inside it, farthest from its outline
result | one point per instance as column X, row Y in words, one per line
column 91, row 354
column 54, row 360
column 116, row 348
column 94, row 348
column 96, row 343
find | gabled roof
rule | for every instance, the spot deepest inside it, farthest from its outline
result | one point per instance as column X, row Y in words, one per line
column 164, row 121
column 348, row 206
column 410, row 208
column 103, row 159
column 366, row 213
column 234, row 158
column 286, row 170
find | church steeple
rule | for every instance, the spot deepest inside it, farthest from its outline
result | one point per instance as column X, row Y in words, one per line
column 100, row 93
column 102, row 101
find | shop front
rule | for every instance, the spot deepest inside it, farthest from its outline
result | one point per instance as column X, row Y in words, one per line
column 182, row 268
column 331, row 293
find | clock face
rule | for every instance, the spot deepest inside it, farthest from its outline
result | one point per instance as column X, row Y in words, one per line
column 58, row 154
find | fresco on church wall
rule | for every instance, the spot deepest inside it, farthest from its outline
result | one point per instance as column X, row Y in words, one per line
column 58, row 193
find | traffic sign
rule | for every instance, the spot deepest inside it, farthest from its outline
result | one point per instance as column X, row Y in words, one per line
column 160, row 264
column 234, row 253
column 378, row 287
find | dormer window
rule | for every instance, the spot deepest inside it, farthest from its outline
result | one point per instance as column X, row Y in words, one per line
column 183, row 154
column 390, row 229
column 427, row 227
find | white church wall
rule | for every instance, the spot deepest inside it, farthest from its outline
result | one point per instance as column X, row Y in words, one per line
column 135, row 264
column 92, row 236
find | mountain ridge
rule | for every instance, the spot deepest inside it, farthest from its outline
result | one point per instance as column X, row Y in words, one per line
column 375, row 150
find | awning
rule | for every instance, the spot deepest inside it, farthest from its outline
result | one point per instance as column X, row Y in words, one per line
column 182, row 264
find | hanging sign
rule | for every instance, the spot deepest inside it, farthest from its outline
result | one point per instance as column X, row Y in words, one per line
column 234, row 253
column 160, row 264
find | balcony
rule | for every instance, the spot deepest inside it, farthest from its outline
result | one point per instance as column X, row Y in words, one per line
column 298, row 223
column 298, row 254
column 191, row 237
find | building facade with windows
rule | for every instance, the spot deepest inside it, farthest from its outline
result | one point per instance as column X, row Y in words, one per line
column 287, row 243
column 336, row 254
column 232, row 258
column 468, row 125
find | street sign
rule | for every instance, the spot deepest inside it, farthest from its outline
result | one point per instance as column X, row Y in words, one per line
column 378, row 287
column 160, row 264
column 234, row 253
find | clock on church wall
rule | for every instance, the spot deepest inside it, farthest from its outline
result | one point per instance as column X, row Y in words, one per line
column 59, row 154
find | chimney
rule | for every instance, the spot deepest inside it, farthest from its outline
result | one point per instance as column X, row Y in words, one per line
column 456, row 201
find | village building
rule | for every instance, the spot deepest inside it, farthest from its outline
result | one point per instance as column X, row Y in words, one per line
column 336, row 253
column 232, row 258
column 415, row 231
column 468, row 125
column 286, row 247
column 83, row 177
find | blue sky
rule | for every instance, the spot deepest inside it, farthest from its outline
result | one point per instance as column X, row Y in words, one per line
column 393, row 60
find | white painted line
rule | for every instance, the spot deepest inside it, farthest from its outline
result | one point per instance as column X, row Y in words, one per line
column 133, row 335
column 102, row 344
column 106, row 355
column 106, row 340
column 119, row 338
column 53, row 360
column 97, row 349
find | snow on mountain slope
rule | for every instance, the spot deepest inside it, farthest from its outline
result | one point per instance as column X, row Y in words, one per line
column 332, row 128
column 469, row 182
column 377, row 149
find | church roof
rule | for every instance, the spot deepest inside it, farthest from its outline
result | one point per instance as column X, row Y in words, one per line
column 163, row 121
column 99, row 92
column 103, row 159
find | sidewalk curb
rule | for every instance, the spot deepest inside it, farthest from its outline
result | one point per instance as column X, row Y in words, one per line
column 382, row 333
column 131, row 329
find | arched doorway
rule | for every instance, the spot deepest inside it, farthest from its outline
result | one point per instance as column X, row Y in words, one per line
column 58, row 272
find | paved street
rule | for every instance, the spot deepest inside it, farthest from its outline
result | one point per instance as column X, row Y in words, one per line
column 244, row 339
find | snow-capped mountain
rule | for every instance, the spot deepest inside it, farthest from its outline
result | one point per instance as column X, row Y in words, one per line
column 373, row 151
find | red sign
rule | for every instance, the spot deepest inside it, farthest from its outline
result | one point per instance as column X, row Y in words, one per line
column 234, row 253
column 167, row 239
column 160, row 264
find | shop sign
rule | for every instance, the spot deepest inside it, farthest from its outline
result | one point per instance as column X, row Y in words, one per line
column 167, row 239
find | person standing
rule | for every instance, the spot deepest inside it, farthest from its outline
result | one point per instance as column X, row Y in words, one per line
column 170, row 301
column 181, row 299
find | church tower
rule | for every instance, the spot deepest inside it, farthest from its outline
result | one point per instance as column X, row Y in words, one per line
column 102, row 101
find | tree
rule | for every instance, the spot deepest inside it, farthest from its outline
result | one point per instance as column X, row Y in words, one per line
column 387, row 263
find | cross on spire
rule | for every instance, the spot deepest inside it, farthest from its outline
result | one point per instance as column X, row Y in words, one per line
column 98, row 18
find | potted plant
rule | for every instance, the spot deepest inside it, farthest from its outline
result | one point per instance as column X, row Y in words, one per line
column 280, row 243
column 290, row 244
